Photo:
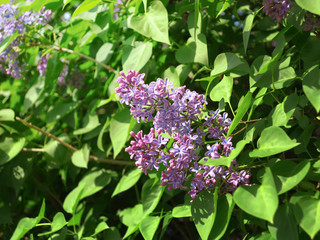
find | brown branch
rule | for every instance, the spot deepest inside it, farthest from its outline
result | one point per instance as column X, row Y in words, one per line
column 92, row 158
column 250, row 121
column 62, row 49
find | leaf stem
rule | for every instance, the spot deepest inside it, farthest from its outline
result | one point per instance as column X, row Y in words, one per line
column 62, row 49
column 93, row 158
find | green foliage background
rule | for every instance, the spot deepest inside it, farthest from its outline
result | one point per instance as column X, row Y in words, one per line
column 63, row 170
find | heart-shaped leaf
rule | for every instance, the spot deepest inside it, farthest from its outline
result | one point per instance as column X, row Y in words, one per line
column 284, row 227
column 273, row 140
column 222, row 90
column 311, row 87
column 311, row 6
column 203, row 212
column 259, row 201
column 153, row 23
column 194, row 51
column 148, row 226
column 288, row 174
column 225, row 62
column 307, row 212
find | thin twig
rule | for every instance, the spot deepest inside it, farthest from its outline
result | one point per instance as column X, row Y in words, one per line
column 250, row 121
column 239, row 131
column 30, row 125
column 33, row 150
column 93, row 158
column 62, row 49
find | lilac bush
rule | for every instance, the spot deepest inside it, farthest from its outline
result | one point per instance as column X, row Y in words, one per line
column 11, row 21
column 177, row 113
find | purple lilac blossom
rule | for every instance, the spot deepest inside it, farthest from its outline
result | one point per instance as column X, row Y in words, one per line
column 177, row 111
column 276, row 9
column 62, row 77
column 11, row 20
column 42, row 66
column 117, row 9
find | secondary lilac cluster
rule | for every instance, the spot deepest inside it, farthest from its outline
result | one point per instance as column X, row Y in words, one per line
column 276, row 9
column 42, row 66
column 311, row 23
column 177, row 112
column 117, row 9
column 11, row 21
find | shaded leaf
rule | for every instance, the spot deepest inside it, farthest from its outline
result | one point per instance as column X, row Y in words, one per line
column 311, row 87
column 259, row 201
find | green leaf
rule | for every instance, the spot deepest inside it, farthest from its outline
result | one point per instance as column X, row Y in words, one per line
column 100, row 137
column 259, row 201
column 247, row 30
column 65, row 2
column 32, row 95
column 90, row 122
column 6, row 42
column 195, row 50
column 242, row 109
column 203, row 213
column 7, row 115
column 151, row 195
column 153, row 23
column 104, row 53
column 222, row 90
column 284, row 226
column 278, row 78
column 307, row 212
column 119, row 130
column 166, row 221
column 149, row 226
column 225, row 62
column 283, row 111
column 288, row 174
column 131, row 217
column 311, row 6
column 9, row 148
column 80, row 158
column 100, row 228
column 60, row 110
column 173, row 76
column 225, row 207
column 225, row 5
column 135, row 58
column 26, row 224
column 112, row 233
column 311, row 87
column 58, row 222
column 268, row 66
column 94, row 181
column 273, row 140
column 85, row 6
column 181, row 211
column 127, row 181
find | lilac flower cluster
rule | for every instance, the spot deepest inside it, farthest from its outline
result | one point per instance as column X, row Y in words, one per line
column 11, row 20
column 177, row 113
column 311, row 23
column 276, row 9
column 76, row 77
column 62, row 77
column 117, row 9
